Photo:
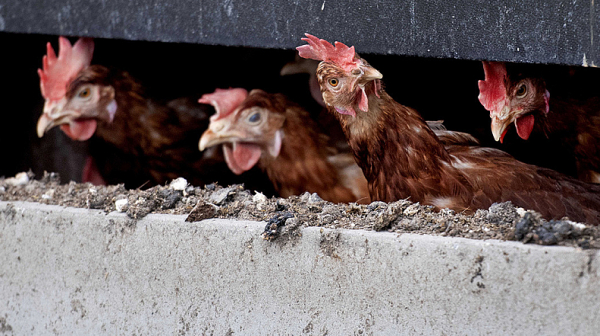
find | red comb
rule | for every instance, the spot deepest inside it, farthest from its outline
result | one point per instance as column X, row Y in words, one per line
column 225, row 101
column 322, row 50
column 492, row 90
column 58, row 72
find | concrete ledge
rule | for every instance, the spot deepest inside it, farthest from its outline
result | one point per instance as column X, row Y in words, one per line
column 75, row 272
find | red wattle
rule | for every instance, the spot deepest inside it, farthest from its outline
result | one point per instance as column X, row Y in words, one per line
column 80, row 129
column 503, row 134
column 241, row 157
column 525, row 126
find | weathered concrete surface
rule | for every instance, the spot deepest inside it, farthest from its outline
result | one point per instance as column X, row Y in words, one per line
column 77, row 272
column 550, row 31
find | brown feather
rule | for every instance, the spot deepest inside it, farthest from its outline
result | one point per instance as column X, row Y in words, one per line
column 305, row 162
column 150, row 143
column 402, row 158
column 565, row 118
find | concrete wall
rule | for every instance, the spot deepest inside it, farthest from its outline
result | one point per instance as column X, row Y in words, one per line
column 73, row 272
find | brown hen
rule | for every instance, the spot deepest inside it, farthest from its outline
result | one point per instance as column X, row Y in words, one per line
column 133, row 139
column 402, row 158
column 268, row 130
column 519, row 95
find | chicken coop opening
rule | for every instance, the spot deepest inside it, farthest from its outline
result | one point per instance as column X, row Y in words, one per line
column 440, row 89
column 444, row 91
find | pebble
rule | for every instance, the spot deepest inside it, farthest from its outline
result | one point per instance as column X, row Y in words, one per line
column 48, row 194
column 20, row 179
column 220, row 195
column 121, row 205
column 259, row 198
column 179, row 183
column 412, row 209
column 376, row 205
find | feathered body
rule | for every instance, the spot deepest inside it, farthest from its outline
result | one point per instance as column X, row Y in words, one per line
column 325, row 120
column 514, row 95
column 402, row 158
column 133, row 139
column 289, row 147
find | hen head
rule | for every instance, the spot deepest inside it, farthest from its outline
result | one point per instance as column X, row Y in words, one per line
column 512, row 99
column 247, row 125
column 345, row 78
column 73, row 98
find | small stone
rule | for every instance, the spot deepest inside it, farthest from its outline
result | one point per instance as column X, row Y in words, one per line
column 170, row 197
column 179, row 183
column 523, row 226
column 412, row 209
column 121, row 205
column 304, row 197
column 48, row 194
column 314, row 198
column 376, row 205
column 502, row 213
column 190, row 190
column 220, row 195
column 211, row 186
column 281, row 205
column 275, row 225
column 20, row 179
column 259, row 198
column 202, row 211
column 577, row 226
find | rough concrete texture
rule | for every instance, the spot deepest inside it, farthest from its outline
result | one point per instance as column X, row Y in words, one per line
column 76, row 272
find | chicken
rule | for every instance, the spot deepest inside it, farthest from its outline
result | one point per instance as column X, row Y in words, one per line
column 268, row 130
column 516, row 96
column 325, row 120
column 402, row 158
column 330, row 124
column 132, row 139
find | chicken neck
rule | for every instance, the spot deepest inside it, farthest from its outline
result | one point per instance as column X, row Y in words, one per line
column 302, row 163
column 129, row 129
column 399, row 154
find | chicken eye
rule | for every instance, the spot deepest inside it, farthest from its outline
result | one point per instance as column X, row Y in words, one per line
column 522, row 91
column 334, row 82
column 254, row 118
column 84, row 93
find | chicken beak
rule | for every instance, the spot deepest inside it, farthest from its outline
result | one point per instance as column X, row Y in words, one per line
column 500, row 123
column 54, row 115
column 369, row 74
column 208, row 139
column 211, row 138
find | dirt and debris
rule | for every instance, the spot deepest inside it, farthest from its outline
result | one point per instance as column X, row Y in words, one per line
column 284, row 216
column 202, row 211
column 280, row 224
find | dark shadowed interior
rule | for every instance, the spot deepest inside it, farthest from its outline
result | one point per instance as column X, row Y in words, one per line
column 440, row 89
